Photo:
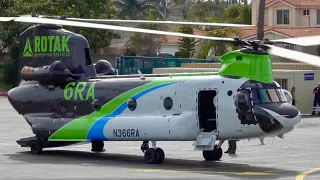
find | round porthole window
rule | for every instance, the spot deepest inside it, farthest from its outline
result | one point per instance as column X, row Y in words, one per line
column 168, row 103
column 96, row 105
column 132, row 104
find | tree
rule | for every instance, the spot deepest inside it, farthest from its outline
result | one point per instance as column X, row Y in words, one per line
column 186, row 45
column 216, row 48
column 9, row 31
column 136, row 9
column 237, row 13
column 147, row 44
column 103, row 9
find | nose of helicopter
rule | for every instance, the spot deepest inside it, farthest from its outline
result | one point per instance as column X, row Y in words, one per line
column 287, row 115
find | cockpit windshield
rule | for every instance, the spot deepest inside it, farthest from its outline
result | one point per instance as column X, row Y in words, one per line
column 262, row 95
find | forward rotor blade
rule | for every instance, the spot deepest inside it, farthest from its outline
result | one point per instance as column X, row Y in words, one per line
column 302, row 41
column 112, row 27
column 160, row 22
column 5, row 19
column 294, row 55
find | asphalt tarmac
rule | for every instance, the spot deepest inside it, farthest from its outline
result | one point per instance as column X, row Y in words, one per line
column 295, row 157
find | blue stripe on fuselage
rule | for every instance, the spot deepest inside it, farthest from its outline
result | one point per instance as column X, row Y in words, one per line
column 96, row 131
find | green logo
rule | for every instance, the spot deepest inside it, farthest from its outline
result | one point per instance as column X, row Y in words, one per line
column 56, row 46
column 74, row 91
column 27, row 52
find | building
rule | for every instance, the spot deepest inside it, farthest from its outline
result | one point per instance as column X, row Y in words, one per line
column 289, row 13
column 288, row 19
column 283, row 19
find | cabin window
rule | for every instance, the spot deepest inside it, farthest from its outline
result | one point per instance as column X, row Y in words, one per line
column 87, row 56
column 283, row 17
column 132, row 104
column 168, row 103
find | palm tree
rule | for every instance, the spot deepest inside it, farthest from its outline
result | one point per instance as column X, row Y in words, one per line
column 135, row 9
column 215, row 48
column 260, row 33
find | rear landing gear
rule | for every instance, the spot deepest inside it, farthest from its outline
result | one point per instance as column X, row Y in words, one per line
column 154, row 155
column 36, row 147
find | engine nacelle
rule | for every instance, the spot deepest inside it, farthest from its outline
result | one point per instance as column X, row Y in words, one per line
column 54, row 74
column 103, row 67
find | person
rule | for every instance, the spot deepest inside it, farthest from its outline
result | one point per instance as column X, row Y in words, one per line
column 293, row 94
column 232, row 147
column 316, row 99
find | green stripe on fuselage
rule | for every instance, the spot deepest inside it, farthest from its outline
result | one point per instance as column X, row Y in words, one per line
column 78, row 129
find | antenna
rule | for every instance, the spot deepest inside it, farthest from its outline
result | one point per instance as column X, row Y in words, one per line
column 142, row 77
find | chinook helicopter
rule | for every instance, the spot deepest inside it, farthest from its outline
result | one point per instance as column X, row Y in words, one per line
column 66, row 99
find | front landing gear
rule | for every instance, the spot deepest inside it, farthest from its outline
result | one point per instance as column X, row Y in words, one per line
column 154, row 155
column 215, row 154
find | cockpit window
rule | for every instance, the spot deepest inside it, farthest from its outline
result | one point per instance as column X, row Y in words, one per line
column 261, row 95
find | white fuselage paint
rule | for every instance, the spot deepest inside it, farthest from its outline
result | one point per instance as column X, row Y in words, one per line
column 151, row 121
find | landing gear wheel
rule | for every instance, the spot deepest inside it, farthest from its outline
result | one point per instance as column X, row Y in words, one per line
column 36, row 147
column 214, row 155
column 151, row 156
column 154, row 156
column 161, row 156
column 97, row 146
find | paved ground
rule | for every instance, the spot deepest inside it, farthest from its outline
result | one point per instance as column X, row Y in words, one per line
column 284, row 159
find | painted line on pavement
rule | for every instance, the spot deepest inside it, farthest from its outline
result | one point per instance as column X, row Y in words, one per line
column 304, row 174
column 206, row 172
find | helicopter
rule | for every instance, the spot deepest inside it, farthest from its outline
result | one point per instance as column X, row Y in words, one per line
column 67, row 100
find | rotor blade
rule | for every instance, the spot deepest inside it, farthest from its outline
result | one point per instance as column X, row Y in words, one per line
column 117, row 28
column 161, row 22
column 302, row 41
column 5, row 19
column 294, row 55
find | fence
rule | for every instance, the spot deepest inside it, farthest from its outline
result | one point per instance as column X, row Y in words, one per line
column 131, row 64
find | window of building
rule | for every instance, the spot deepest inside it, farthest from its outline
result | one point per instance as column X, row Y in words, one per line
column 318, row 16
column 282, row 82
column 283, row 17
column 306, row 12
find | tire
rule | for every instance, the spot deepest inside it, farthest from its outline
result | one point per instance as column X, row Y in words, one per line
column 161, row 156
column 97, row 146
column 213, row 155
column 151, row 156
column 36, row 147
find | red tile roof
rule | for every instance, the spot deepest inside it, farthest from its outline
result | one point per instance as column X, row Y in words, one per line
column 287, row 31
column 247, row 32
column 298, row 2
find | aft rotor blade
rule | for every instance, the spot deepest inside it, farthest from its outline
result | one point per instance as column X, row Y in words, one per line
column 294, row 55
column 302, row 41
column 160, row 22
column 5, row 19
column 117, row 28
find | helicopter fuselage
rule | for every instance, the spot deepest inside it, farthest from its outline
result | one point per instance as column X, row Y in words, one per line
column 153, row 109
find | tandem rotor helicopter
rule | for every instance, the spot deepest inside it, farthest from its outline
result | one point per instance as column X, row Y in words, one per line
column 66, row 99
